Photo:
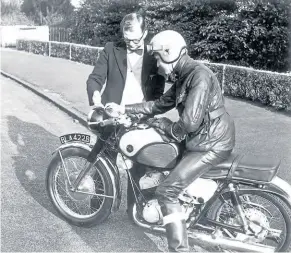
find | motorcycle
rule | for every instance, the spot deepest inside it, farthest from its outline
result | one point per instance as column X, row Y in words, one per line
column 240, row 205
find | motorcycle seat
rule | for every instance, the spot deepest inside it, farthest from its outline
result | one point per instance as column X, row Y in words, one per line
column 245, row 167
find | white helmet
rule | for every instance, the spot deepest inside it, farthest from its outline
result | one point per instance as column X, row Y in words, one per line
column 168, row 44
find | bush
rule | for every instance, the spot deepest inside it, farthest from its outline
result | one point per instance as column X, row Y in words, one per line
column 60, row 50
column 11, row 14
column 23, row 45
column 244, row 32
column 83, row 54
column 97, row 22
column 40, row 47
column 265, row 87
column 217, row 70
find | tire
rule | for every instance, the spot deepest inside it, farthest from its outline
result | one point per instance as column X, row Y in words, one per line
column 278, row 202
column 51, row 185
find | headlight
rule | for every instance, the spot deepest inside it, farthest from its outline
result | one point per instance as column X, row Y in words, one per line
column 95, row 116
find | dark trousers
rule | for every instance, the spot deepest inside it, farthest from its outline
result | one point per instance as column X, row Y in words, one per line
column 191, row 167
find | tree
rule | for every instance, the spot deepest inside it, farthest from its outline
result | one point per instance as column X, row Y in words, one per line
column 11, row 14
column 47, row 11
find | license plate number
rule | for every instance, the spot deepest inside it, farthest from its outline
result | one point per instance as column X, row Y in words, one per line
column 75, row 137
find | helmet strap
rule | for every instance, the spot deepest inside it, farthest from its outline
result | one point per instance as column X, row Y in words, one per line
column 180, row 54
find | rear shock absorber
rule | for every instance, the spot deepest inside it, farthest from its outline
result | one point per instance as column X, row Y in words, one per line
column 237, row 204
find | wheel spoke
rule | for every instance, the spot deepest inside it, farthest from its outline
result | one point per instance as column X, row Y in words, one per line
column 85, row 202
column 265, row 219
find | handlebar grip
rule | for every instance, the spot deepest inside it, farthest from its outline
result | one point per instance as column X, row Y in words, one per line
column 107, row 122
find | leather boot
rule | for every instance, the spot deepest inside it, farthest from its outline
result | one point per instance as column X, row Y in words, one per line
column 176, row 230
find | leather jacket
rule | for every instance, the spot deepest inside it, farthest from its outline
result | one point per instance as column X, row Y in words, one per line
column 198, row 98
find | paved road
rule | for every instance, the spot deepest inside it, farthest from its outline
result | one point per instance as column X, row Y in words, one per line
column 30, row 129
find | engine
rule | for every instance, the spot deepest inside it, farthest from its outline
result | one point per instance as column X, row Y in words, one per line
column 198, row 192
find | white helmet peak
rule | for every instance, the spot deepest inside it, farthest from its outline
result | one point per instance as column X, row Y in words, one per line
column 168, row 45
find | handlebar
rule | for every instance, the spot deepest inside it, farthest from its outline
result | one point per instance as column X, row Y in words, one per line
column 107, row 122
column 96, row 115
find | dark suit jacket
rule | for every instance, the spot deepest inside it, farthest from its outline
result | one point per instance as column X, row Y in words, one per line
column 112, row 65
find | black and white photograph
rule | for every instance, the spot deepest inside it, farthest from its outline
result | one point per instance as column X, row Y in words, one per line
column 145, row 126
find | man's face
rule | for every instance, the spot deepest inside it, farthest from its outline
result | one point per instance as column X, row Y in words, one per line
column 165, row 67
column 134, row 38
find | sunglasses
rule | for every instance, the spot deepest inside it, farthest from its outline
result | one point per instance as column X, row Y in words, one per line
column 135, row 41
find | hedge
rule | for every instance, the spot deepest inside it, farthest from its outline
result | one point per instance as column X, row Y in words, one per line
column 60, row 50
column 268, row 88
column 84, row 54
column 79, row 53
column 40, row 47
column 23, row 45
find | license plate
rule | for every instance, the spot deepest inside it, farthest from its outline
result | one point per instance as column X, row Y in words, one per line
column 75, row 137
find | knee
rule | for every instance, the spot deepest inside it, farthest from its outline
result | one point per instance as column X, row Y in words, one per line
column 167, row 193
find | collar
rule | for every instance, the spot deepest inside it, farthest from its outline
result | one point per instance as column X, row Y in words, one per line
column 181, row 70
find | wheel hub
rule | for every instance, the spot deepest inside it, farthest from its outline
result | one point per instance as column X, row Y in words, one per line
column 87, row 185
column 258, row 226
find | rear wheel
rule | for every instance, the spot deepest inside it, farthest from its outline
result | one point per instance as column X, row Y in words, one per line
column 269, row 217
column 82, row 207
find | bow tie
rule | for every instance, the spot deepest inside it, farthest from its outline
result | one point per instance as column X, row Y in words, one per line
column 137, row 51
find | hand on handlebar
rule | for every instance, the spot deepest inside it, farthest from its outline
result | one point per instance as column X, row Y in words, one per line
column 114, row 110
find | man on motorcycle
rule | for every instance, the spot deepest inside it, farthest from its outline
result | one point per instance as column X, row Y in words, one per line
column 204, row 126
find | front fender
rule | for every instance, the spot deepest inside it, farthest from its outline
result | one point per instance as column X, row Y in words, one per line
column 73, row 145
column 109, row 165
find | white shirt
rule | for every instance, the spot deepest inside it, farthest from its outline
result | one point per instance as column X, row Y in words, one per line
column 132, row 92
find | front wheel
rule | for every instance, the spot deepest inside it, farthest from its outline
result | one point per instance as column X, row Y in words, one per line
column 91, row 203
column 268, row 216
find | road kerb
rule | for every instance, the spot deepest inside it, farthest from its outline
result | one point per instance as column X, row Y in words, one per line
column 58, row 103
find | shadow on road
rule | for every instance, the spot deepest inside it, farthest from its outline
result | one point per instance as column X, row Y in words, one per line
column 34, row 146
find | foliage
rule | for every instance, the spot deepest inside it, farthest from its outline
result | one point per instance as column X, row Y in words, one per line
column 60, row 50
column 97, row 22
column 11, row 15
column 40, row 47
column 47, row 12
column 23, row 45
column 243, row 32
column 86, row 55
column 265, row 87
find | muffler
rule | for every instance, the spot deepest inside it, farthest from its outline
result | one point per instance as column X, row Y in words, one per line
column 211, row 239
column 229, row 243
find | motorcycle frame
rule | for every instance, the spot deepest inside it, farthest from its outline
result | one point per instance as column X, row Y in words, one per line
column 272, row 187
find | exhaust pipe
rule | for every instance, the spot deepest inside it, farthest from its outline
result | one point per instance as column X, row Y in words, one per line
column 211, row 239
column 230, row 244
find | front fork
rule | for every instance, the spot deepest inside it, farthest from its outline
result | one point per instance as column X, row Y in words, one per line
column 92, row 159
column 74, row 185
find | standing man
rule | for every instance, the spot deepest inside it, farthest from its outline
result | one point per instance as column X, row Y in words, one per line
column 130, row 73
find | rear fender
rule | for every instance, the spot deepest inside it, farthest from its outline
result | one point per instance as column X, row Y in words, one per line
column 278, row 187
column 110, row 167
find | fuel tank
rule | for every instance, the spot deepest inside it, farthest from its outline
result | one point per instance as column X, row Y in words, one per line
column 146, row 146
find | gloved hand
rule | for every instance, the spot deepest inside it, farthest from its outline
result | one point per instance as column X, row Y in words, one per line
column 162, row 123
column 163, row 126
column 170, row 131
